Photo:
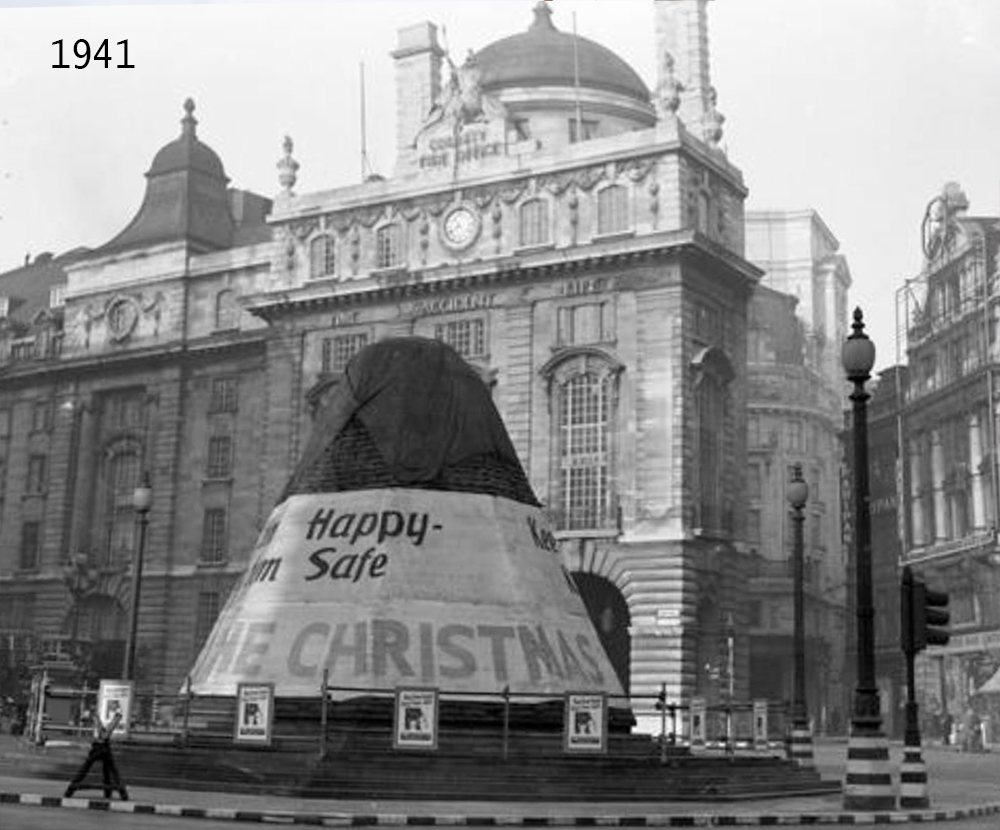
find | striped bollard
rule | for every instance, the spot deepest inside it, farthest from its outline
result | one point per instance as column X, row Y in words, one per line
column 912, row 772
column 868, row 779
column 801, row 749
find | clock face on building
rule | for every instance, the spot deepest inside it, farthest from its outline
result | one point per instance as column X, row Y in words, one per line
column 460, row 227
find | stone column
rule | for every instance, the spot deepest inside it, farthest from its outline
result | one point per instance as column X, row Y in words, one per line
column 418, row 59
column 916, row 508
column 975, row 461
column 937, row 482
column 682, row 31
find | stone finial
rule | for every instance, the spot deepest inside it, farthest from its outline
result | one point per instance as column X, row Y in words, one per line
column 188, row 122
column 543, row 16
column 670, row 89
column 287, row 167
column 713, row 120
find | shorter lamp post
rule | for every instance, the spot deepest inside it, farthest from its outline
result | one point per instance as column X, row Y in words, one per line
column 800, row 749
column 142, row 500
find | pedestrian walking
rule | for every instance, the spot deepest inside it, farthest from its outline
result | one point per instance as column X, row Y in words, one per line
column 100, row 750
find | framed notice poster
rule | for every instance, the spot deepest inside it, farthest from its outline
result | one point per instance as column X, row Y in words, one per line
column 416, row 720
column 115, row 698
column 254, row 713
column 586, row 722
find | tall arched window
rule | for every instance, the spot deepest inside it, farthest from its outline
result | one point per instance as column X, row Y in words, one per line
column 584, row 395
column 612, row 210
column 322, row 257
column 713, row 372
column 121, row 477
column 534, row 222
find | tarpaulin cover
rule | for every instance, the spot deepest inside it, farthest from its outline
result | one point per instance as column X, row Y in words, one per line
column 427, row 411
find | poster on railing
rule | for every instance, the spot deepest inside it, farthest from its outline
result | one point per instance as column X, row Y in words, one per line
column 416, row 719
column 585, row 723
column 115, row 698
column 760, row 727
column 699, row 721
column 254, row 713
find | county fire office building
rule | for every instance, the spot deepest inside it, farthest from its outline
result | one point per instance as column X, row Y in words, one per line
column 576, row 237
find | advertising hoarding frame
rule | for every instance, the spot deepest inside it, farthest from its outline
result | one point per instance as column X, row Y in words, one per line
column 415, row 706
column 116, row 696
column 586, row 713
column 250, row 721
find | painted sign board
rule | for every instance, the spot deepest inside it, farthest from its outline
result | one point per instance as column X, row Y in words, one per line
column 699, row 721
column 402, row 588
column 114, row 698
column 415, row 725
column 586, row 723
column 760, row 727
column 254, row 713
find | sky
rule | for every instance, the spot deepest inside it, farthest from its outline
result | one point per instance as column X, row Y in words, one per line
column 859, row 109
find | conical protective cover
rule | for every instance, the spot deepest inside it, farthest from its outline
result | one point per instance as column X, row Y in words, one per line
column 407, row 550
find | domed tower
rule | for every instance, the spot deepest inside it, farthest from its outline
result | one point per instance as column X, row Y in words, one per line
column 186, row 197
column 559, row 88
column 542, row 89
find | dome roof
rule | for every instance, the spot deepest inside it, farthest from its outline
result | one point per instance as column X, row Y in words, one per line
column 186, row 197
column 544, row 56
column 186, row 152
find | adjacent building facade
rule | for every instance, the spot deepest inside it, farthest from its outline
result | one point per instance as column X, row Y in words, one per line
column 795, row 403
column 947, row 440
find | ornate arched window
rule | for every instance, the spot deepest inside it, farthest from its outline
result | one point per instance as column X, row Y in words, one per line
column 322, row 257
column 713, row 510
column 122, row 466
column 227, row 310
column 583, row 389
column 534, row 222
column 612, row 209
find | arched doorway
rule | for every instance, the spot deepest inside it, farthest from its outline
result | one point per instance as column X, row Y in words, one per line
column 610, row 615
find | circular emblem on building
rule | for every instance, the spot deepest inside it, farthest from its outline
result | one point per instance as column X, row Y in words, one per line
column 123, row 315
column 460, row 227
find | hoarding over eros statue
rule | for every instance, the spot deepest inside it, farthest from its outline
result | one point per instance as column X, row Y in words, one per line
column 407, row 550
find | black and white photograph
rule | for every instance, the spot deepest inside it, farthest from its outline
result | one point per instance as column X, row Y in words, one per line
column 601, row 396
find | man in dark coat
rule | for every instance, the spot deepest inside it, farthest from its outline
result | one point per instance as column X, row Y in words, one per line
column 100, row 750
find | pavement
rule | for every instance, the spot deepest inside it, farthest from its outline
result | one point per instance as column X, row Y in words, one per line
column 950, row 800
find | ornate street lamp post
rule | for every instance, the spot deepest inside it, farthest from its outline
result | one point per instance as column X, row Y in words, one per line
column 142, row 500
column 801, row 749
column 868, row 781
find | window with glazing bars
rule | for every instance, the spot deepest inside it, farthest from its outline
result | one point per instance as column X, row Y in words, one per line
column 220, row 456
column 37, row 474
column 339, row 349
column 612, row 210
column 213, row 535
column 322, row 257
column 31, row 537
column 225, row 394
column 387, row 246
column 209, row 603
column 122, row 477
column 584, row 452
column 467, row 337
column 534, row 224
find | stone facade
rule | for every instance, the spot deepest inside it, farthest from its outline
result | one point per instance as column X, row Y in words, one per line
column 594, row 274
column 948, row 444
column 795, row 406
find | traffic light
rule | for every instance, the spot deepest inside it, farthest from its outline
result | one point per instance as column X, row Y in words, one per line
column 924, row 615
